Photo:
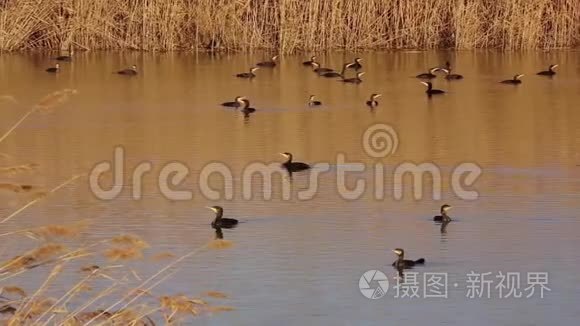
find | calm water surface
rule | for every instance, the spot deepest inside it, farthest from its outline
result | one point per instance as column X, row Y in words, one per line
column 299, row 262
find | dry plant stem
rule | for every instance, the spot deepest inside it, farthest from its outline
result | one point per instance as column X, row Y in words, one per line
column 175, row 262
column 161, row 280
column 99, row 296
column 22, row 311
column 7, row 133
column 66, row 296
column 34, row 201
column 143, row 315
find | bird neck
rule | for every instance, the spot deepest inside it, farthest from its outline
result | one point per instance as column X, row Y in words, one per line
column 218, row 215
column 246, row 104
column 289, row 159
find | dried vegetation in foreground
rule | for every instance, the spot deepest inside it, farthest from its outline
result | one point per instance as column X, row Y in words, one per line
column 111, row 292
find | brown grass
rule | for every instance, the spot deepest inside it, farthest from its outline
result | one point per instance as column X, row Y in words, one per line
column 287, row 26
column 139, row 305
column 130, row 240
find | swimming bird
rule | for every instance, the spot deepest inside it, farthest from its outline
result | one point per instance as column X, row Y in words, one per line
column 514, row 81
column 66, row 57
column 247, row 109
column 312, row 102
column 317, row 69
column 448, row 74
column 355, row 80
column 293, row 166
column 268, row 64
column 248, row 75
column 238, row 101
column 220, row 221
column 372, row 102
column 550, row 72
column 356, row 64
column 430, row 74
column 443, row 217
column 131, row 71
column 309, row 62
column 402, row 263
column 430, row 91
column 332, row 74
column 54, row 69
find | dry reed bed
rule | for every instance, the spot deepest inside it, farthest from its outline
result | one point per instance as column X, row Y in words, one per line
column 288, row 25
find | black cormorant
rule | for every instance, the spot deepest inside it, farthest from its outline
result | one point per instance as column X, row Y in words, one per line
column 222, row 222
column 312, row 102
column 443, row 217
column 550, row 72
column 247, row 109
column 310, row 62
column 356, row 64
column 448, row 74
column 355, row 80
column 268, row 64
column 402, row 263
column 430, row 74
column 131, row 71
column 248, row 75
column 317, row 69
column 238, row 101
column 372, row 102
column 332, row 74
column 54, row 69
column 514, row 81
column 430, row 91
column 293, row 166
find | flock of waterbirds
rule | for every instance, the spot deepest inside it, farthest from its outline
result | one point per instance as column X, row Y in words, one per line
column 356, row 65
column 243, row 104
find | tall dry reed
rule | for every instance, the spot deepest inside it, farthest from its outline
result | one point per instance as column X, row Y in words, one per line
column 288, row 25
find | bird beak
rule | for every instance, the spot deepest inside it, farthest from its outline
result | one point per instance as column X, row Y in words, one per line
column 283, row 154
column 378, row 95
column 425, row 83
column 554, row 66
column 396, row 252
column 209, row 207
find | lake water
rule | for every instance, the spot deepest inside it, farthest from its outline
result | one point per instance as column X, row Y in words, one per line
column 298, row 262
